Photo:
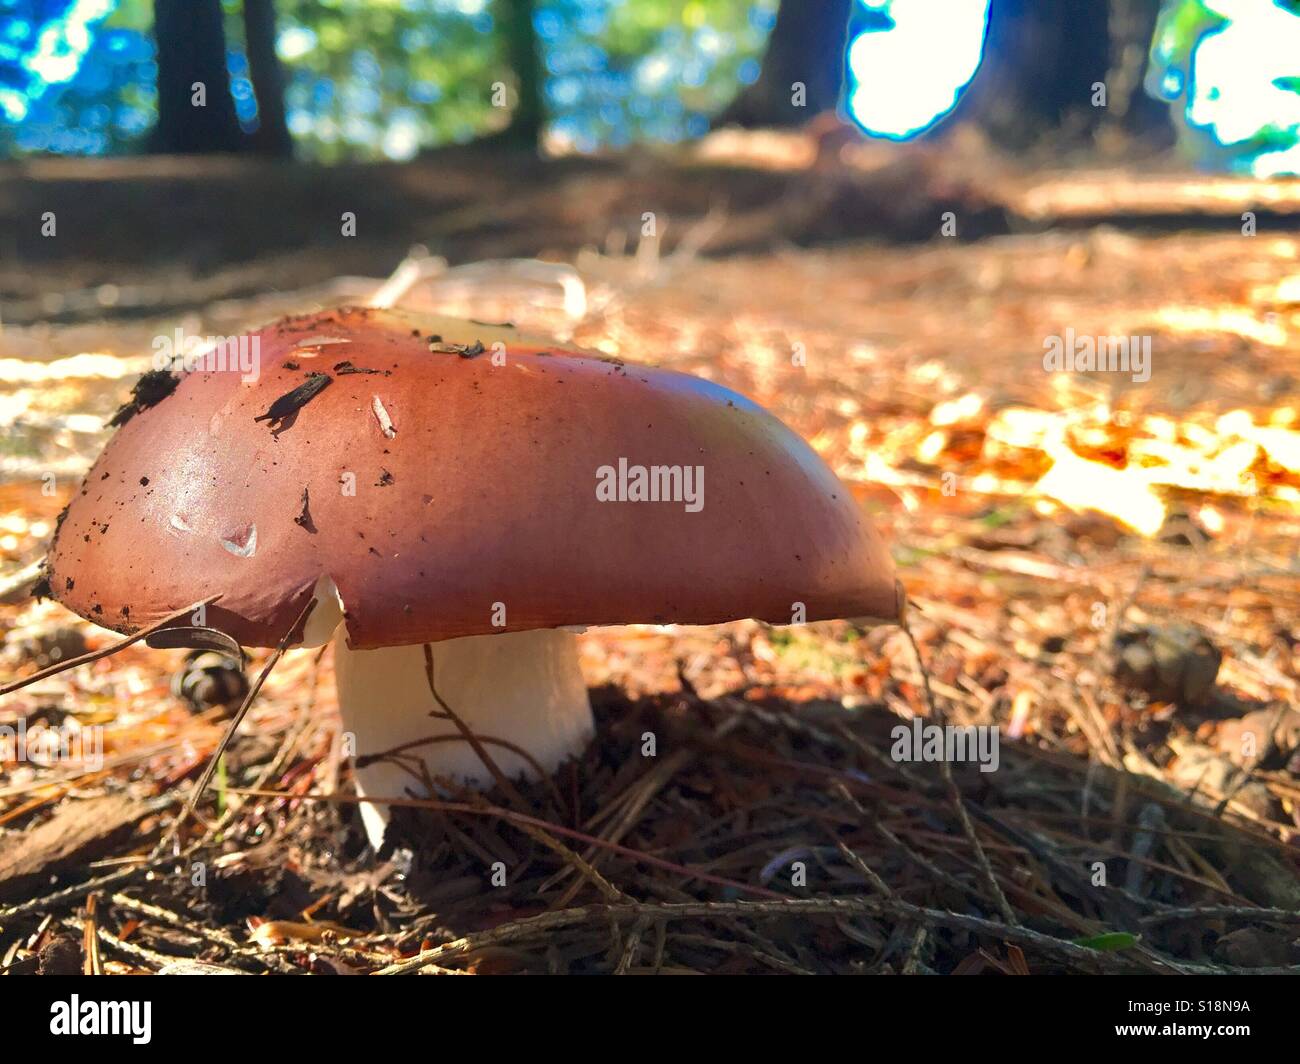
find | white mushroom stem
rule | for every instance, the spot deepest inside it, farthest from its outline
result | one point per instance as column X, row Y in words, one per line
column 523, row 688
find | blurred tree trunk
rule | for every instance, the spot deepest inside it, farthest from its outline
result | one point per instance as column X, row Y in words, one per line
column 1042, row 61
column 272, row 136
column 192, row 49
column 806, row 48
column 1131, row 107
column 523, row 53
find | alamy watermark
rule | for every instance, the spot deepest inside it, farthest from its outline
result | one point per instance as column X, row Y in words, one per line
column 1098, row 354
column 209, row 354
column 919, row 741
column 133, row 1019
column 69, row 743
column 656, row 483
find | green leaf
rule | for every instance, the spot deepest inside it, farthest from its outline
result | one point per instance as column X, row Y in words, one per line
column 1290, row 83
column 1110, row 941
column 222, row 785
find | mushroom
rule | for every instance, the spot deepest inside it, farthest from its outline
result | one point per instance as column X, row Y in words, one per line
column 454, row 498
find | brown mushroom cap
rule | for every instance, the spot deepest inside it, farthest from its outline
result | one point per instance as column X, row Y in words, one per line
column 484, row 493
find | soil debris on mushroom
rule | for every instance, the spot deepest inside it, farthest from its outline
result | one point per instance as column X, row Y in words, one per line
column 152, row 388
column 304, row 515
column 290, row 403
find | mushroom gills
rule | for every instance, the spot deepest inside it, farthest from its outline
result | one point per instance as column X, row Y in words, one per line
column 521, row 688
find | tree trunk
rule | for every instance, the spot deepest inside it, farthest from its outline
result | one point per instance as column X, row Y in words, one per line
column 272, row 136
column 1041, row 58
column 523, row 53
column 806, row 48
column 192, row 49
column 1131, row 108
column 1042, row 61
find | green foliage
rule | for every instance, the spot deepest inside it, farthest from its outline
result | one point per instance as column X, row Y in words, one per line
column 1214, row 97
column 1179, row 29
column 386, row 78
column 376, row 77
column 1109, row 942
column 642, row 37
column 132, row 15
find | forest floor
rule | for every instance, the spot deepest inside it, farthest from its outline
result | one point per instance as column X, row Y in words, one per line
column 1105, row 569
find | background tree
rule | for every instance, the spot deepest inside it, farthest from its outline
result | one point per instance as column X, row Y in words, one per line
column 1042, row 59
column 272, row 135
column 192, row 49
column 371, row 79
column 523, row 53
column 807, row 47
